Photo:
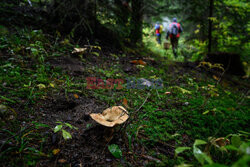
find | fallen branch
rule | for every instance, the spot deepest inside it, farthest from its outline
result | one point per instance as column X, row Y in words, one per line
column 151, row 158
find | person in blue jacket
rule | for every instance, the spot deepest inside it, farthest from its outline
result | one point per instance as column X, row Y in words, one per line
column 158, row 31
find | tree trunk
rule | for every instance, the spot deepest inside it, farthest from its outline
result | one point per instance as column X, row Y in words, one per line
column 211, row 6
column 136, row 21
column 122, row 12
column 75, row 17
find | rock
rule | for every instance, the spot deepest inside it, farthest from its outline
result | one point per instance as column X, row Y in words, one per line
column 108, row 160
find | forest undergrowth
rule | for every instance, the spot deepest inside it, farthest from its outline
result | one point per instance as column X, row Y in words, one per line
column 195, row 117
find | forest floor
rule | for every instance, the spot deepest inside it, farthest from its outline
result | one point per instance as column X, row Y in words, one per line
column 43, row 84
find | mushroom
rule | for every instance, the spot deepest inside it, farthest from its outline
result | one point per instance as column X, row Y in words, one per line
column 111, row 116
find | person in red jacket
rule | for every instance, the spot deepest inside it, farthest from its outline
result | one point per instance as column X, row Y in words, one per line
column 158, row 31
column 173, row 32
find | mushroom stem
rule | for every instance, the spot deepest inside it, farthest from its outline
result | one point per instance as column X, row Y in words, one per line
column 108, row 133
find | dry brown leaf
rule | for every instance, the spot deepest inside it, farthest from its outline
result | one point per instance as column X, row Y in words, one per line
column 62, row 161
column 216, row 78
column 79, row 50
column 56, row 151
column 133, row 61
column 76, row 96
column 211, row 86
column 142, row 62
column 138, row 62
column 222, row 141
column 125, row 102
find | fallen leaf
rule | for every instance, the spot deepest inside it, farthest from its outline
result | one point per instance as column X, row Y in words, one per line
column 216, row 78
column 62, row 161
column 41, row 86
column 44, row 97
column 184, row 91
column 211, row 86
column 206, row 112
column 76, row 96
column 55, row 151
column 65, row 42
column 125, row 102
column 140, row 66
column 142, row 62
column 95, row 53
column 138, row 62
column 245, row 77
column 222, row 141
column 79, row 50
column 52, row 85
column 133, row 61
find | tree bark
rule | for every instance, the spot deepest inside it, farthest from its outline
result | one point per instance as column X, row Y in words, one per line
column 122, row 12
column 136, row 21
column 211, row 7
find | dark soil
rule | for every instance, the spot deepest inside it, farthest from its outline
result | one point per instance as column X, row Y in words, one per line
column 88, row 145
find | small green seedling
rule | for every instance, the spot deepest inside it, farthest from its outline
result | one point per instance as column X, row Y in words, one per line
column 61, row 127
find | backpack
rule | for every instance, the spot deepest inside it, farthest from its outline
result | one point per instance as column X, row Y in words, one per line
column 160, row 29
column 174, row 30
column 157, row 29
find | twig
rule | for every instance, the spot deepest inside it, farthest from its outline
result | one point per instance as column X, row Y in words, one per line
column 151, row 158
column 158, row 94
column 126, row 124
column 142, row 103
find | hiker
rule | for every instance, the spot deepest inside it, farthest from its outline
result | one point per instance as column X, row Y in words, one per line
column 173, row 32
column 158, row 31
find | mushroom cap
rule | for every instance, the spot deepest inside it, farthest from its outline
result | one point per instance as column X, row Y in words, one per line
column 111, row 116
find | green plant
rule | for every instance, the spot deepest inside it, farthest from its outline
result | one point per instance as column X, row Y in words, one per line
column 25, row 144
column 61, row 128
column 115, row 150
column 238, row 146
